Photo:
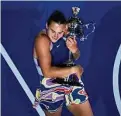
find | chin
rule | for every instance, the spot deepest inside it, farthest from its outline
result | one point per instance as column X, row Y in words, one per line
column 54, row 41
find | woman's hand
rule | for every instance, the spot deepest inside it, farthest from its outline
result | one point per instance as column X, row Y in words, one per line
column 71, row 44
column 78, row 70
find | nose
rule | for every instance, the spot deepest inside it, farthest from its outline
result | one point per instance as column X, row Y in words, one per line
column 56, row 35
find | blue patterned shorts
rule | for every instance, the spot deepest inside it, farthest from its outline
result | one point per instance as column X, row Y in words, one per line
column 51, row 96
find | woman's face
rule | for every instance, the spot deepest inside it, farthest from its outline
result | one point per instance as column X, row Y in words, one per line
column 55, row 31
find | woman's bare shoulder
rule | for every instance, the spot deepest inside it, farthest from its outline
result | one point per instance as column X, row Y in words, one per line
column 42, row 43
column 42, row 38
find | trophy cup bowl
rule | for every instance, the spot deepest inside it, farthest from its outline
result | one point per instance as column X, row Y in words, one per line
column 74, row 24
column 76, row 27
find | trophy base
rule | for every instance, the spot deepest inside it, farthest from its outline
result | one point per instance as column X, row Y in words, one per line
column 70, row 63
column 72, row 80
column 69, row 82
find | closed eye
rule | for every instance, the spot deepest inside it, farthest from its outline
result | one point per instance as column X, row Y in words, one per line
column 55, row 32
column 60, row 32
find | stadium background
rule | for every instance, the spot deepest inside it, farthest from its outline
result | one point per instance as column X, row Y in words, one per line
column 21, row 21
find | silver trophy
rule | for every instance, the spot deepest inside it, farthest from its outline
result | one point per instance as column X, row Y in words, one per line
column 77, row 28
column 74, row 23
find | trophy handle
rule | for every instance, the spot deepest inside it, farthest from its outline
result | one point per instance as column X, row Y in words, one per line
column 87, row 27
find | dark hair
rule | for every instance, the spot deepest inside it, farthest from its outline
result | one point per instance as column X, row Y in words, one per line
column 57, row 17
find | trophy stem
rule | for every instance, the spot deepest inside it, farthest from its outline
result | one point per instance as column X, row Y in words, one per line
column 70, row 60
column 70, row 55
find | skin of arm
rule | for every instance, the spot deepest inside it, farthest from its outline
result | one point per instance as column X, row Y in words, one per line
column 76, row 55
column 42, row 49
